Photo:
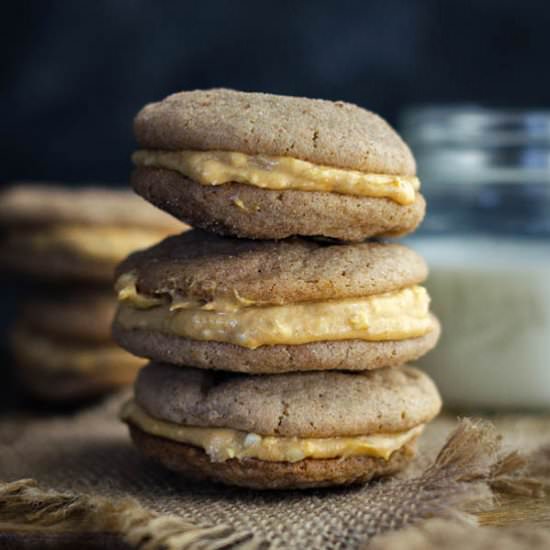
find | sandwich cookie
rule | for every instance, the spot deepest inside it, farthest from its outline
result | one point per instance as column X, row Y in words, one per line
column 296, row 430
column 59, row 369
column 265, row 166
column 80, row 314
column 75, row 234
column 274, row 306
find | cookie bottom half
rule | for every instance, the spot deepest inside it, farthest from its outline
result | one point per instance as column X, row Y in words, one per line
column 195, row 464
column 249, row 212
column 353, row 355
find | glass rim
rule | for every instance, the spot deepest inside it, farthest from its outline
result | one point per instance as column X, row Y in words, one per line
column 475, row 124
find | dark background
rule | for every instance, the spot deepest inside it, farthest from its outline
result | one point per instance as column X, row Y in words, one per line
column 75, row 72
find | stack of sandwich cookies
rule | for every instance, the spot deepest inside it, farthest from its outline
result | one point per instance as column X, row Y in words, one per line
column 276, row 363
column 67, row 243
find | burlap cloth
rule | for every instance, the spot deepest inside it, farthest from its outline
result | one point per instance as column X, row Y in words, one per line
column 91, row 488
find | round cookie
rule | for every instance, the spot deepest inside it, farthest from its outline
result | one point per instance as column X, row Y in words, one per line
column 54, row 262
column 351, row 355
column 322, row 404
column 62, row 370
column 193, row 463
column 28, row 204
column 83, row 315
column 204, row 267
column 331, row 133
column 335, row 137
column 203, row 270
column 72, row 387
column 76, row 234
column 289, row 408
column 240, row 210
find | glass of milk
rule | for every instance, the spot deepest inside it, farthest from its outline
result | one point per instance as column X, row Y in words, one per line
column 486, row 176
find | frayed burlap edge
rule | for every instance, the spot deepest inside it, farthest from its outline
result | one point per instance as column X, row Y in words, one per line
column 468, row 471
column 24, row 503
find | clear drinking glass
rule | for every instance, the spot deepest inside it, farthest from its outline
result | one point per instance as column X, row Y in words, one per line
column 486, row 176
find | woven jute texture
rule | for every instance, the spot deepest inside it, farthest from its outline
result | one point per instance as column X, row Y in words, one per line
column 80, row 476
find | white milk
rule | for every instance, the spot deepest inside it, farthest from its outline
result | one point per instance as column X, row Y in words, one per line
column 493, row 299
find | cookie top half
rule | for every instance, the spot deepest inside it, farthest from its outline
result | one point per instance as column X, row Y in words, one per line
column 332, row 133
column 203, row 267
column 35, row 204
column 323, row 404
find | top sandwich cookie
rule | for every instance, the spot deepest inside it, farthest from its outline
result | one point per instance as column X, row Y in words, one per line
column 274, row 306
column 75, row 234
column 264, row 166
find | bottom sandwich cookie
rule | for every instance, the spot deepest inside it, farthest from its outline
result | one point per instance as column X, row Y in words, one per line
column 297, row 430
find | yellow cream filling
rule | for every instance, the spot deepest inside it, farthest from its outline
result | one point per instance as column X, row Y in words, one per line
column 390, row 316
column 125, row 287
column 223, row 444
column 127, row 292
column 111, row 243
column 279, row 173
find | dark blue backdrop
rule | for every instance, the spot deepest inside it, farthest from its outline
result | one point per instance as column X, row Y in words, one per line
column 75, row 72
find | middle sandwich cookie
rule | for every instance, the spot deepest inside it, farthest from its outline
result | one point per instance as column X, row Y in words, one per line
column 274, row 306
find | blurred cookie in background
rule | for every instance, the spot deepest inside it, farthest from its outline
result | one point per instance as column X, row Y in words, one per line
column 78, row 234
column 59, row 247
column 82, row 314
column 60, row 369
